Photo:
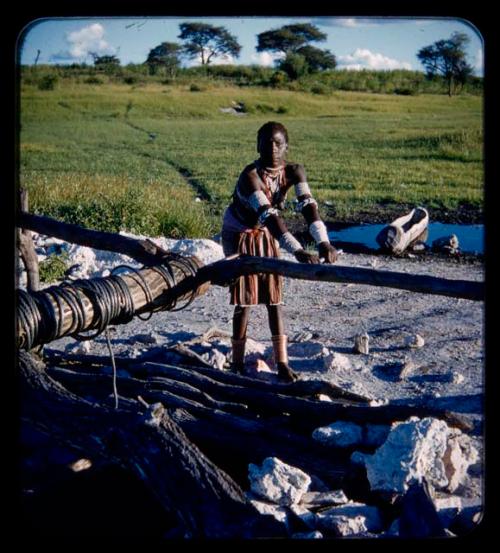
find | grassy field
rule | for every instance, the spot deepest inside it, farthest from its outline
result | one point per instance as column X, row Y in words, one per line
column 116, row 156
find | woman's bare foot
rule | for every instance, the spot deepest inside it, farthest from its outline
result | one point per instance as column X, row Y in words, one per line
column 285, row 373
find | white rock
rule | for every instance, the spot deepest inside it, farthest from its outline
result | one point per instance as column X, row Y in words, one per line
column 336, row 361
column 457, row 378
column 350, row 519
column 307, row 517
column 459, row 455
column 320, row 499
column 362, row 343
column 79, row 347
column 265, row 508
column 339, row 434
column 415, row 341
column 417, row 449
column 324, row 397
column 278, row 482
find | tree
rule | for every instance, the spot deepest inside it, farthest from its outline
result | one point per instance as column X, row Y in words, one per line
column 300, row 56
column 317, row 59
column 166, row 55
column 206, row 41
column 105, row 61
column 448, row 59
column 289, row 38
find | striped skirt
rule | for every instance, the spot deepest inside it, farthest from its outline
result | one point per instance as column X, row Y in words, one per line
column 258, row 288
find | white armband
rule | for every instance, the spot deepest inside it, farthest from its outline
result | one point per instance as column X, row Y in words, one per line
column 318, row 231
column 302, row 188
column 257, row 200
column 289, row 243
column 265, row 214
column 303, row 203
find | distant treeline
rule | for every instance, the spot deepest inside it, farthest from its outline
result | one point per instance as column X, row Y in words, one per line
column 397, row 81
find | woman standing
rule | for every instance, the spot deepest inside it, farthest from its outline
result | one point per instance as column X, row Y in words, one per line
column 252, row 225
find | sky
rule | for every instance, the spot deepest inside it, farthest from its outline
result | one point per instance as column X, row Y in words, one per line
column 357, row 43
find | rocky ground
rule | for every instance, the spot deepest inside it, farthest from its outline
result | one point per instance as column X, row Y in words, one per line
column 423, row 349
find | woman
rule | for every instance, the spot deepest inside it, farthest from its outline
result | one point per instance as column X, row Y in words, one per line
column 252, row 225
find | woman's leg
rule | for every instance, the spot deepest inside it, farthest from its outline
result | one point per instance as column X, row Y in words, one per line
column 240, row 324
column 279, row 339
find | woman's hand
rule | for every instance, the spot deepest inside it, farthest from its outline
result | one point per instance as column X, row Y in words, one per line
column 304, row 257
column 327, row 252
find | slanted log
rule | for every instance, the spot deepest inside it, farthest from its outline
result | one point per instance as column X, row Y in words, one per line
column 404, row 231
column 207, row 502
column 144, row 251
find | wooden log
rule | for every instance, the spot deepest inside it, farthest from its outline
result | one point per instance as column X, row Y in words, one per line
column 144, row 251
column 247, row 435
column 311, row 412
column 27, row 249
column 268, row 398
column 54, row 316
column 223, row 271
column 404, row 231
column 208, row 503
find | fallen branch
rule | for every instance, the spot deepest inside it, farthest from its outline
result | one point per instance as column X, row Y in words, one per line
column 207, row 502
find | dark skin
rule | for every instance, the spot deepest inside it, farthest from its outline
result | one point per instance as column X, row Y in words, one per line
column 272, row 149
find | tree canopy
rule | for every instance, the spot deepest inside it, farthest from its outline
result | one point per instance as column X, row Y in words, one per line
column 448, row 59
column 289, row 38
column 166, row 55
column 206, row 41
column 293, row 41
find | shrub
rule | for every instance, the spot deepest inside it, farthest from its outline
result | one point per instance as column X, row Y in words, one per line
column 48, row 82
column 53, row 267
column 93, row 80
column 319, row 88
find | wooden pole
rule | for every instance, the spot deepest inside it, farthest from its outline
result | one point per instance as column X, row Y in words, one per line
column 143, row 251
column 27, row 249
column 227, row 269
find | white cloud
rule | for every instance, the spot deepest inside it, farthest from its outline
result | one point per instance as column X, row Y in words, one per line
column 85, row 40
column 265, row 58
column 479, row 62
column 363, row 58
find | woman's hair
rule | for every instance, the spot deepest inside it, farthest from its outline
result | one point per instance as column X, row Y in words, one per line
column 269, row 128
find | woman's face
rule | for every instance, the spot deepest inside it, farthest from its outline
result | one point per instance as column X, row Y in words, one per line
column 272, row 149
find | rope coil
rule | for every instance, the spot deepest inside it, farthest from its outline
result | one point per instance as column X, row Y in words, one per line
column 41, row 320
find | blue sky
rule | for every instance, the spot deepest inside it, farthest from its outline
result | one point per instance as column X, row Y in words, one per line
column 371, row 43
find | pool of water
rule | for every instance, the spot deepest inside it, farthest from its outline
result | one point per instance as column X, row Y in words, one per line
column 470, row 237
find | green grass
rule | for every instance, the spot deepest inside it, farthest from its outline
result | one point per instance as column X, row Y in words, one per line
column 87, row 155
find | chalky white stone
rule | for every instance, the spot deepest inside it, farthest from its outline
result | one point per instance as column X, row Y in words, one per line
column 339, row 434
column 416, row 449
column 278, row 482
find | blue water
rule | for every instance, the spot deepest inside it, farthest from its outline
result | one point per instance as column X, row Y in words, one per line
column 470, row 237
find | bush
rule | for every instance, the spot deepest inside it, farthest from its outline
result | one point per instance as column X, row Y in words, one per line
column 53, row 267
column 93, row 80
column 196, row 88
column 48, row 82
column 320, row 89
